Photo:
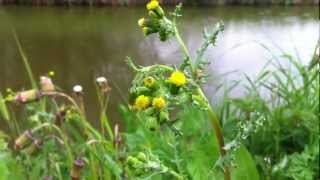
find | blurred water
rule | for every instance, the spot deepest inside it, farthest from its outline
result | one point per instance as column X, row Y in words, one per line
column 82, row 43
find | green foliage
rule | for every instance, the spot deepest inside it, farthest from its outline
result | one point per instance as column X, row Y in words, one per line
column 287, row 99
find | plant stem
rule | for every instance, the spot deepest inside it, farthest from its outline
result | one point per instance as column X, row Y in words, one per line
column 213, row 118
column 25, row 61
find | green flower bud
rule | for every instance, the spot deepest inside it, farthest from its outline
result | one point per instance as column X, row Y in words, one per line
column 148, row 30
column 163, row 35
column 163, row 116
column 149, row 111
column 152, row 123
column 142, row 157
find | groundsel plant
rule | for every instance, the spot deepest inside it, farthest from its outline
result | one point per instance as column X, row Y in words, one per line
column 159, row 91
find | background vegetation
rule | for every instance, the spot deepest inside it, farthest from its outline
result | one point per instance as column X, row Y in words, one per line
column 166, row 2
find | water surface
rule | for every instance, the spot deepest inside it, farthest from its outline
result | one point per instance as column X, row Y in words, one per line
column 82, row 43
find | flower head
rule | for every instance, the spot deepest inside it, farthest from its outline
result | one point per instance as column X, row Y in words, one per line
column 178, row 78
column 159, row 102
column 141, row 102
column 153, row 4
column 149, row 82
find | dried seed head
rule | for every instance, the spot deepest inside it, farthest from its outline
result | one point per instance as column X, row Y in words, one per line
column 77, row 89
column 102, row 82
column 23, row 139
column 46, row 84
column 78, row 164
column 27, row 96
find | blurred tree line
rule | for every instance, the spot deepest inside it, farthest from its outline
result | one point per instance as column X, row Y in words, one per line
column 166, row 2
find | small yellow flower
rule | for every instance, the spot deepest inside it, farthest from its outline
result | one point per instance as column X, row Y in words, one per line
column 153, row 4
column 141, row 22
column 51, row 73
column 159, row 102
column 178, row 78
column 149, row 82
column 141, row 102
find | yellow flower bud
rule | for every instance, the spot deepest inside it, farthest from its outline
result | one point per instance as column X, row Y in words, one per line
column 178, row 78
column 152, row 5
column 141, row 22
column 51, row 73
column 159, row 102
column 147, row 31
column 141, row 102
column 149, row 82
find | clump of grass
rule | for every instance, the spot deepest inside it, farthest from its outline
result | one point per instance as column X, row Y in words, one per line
column 284, row 144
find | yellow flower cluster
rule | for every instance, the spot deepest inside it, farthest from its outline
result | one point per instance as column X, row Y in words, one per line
column 152, row 24
column 141, row 102
column 178, row 78
column 159, row 102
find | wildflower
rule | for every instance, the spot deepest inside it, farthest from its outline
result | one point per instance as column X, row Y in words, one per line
column 78, row 164
column 149, row 82
column 152, row 5
column 141, row 102
column 178, row 78
column 46, row 84
column 159, row 102
column 51, row 73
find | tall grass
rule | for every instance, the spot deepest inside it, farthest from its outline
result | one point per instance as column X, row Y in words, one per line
column 287, row 95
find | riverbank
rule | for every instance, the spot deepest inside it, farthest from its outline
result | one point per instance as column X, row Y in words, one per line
column 167, row 2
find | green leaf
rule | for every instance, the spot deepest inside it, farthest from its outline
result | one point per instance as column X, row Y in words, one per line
column 245, row 168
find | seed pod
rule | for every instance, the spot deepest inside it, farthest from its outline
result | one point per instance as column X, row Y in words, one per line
column 46, row 84
column 34, row 147
column 102, row 82
column 27, row 96
column 23, row 140
column 78, row 91
column 78, row 164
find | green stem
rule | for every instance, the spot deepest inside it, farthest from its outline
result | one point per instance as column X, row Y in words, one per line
column 25, row 61
column 184, row 49
column 213, row 118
